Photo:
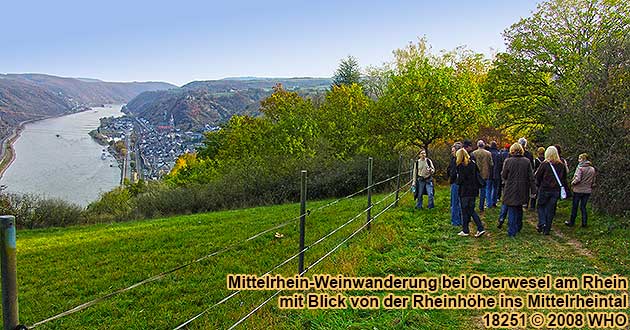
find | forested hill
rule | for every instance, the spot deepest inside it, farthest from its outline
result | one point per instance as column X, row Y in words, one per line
column 32, row 96
column 214, row 101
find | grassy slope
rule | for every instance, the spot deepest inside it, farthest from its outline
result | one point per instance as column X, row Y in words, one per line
column 61, row 268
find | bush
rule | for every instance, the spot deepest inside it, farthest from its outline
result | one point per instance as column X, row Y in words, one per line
column 115, row 205
column 34, row 212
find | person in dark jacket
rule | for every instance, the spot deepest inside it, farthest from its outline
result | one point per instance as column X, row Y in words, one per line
column 456, row 208
column 503, row 155
column 548, row 187
column 468, row 190
column 582, row 186
column 523, row 142
column 496, row 174
column 519, row 180
column 540, row 158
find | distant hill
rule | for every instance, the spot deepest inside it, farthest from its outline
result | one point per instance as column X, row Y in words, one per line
column 214, row 101
column 32, row 96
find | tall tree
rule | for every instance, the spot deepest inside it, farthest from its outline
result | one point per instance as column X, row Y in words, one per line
column 348, row 72
column 563, row 71
column 430, row 98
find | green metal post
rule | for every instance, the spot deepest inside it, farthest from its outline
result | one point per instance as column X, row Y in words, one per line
column 369, row 194
column 302, row 221
column 9, row 273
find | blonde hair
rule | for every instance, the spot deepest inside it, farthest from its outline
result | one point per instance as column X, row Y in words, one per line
column 584, row 156
column 516, row 149
column 461, row 156
column 540, row 151
column 551, row 155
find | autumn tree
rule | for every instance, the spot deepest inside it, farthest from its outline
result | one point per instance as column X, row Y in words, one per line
column 565, row 74
column 343, row 120
column 430, row 97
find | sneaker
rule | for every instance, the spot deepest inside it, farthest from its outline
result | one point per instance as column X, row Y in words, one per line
column 500, row 223
column 568, row 223
column 461, row 233
column 480, row 233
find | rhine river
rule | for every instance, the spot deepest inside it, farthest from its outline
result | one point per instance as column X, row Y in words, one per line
column 56, row 158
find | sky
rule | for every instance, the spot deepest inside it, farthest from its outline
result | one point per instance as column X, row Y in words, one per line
column 182, row 41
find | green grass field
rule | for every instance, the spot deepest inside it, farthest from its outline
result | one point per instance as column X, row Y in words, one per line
column 61, row 268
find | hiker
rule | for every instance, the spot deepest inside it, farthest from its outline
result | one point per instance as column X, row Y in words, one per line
column 456, row 208
column 540, row 157
column 519, row 180
column 503, row 155
column 551, row 177
column 582, row 183
column 564, row 161
column 467, row 144
column 495, row 177
column 483, row 158
column 523, row 142
column 423, row 170
column 469, row 185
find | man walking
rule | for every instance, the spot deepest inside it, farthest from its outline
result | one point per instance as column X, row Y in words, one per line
column 483, row 158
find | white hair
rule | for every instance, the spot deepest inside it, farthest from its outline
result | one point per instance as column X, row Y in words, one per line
column 480, row 144
column 522, row 141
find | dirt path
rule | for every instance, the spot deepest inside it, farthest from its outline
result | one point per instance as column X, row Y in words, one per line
column 557, row 233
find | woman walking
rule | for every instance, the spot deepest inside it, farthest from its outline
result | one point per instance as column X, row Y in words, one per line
column 582, row 187
column 519, row 182
column 469, row 185
column 551, row 178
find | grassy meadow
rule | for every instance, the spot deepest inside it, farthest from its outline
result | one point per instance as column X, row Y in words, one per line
column 61, row 268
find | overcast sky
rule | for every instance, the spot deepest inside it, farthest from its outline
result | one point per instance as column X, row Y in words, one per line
column 182, row 41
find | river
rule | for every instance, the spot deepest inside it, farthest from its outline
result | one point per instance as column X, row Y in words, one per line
column 56, row 158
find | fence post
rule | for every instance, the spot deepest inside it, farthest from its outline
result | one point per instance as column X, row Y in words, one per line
column 302, row 220
column 369, row 194
column 9, row 273
column 400, row 161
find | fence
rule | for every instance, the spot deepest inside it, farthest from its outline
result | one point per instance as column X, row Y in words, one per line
column 9, row 281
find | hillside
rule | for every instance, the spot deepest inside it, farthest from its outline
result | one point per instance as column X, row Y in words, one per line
column 59, row 269
column 212, row 102
column 32, row 96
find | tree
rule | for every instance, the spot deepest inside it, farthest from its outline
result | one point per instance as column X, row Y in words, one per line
column 566, row 70
column 348, row 72
column 343, row 120
column 430, row 98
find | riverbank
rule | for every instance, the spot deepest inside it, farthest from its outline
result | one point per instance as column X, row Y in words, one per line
column 7, row 153
column 57, row 158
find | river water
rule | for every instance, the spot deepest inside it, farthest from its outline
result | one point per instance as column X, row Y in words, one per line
column 56, row 158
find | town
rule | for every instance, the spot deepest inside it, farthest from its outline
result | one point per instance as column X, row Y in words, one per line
column 145, row 151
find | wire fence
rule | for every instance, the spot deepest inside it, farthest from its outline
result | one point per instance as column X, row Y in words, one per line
column 230, row 247
column 286, row 261
column 317, row 262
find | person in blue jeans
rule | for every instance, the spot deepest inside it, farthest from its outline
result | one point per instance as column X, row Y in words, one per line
column 456, row 208
column 497, row 166
column 519, row 182
column 483, row 159
column 423, row 170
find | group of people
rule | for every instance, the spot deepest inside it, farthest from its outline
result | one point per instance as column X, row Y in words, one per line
column 513, row 175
